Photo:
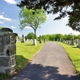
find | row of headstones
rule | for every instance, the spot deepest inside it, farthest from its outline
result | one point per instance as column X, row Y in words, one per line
column 72, row 42
column 23, row 39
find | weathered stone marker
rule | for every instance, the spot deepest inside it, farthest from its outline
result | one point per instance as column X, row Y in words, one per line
column 23, row 39
column 72, row 42
column 44, row 40
column 78, row 44
column 40, row 39
column 7, row 51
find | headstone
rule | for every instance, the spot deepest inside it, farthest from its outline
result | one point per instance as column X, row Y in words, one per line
column 40, row 40
column 72, row 42
column 68, row 42
column 44, row 40
column 7, row 51
column 78, row 44
column 23, row 39
column 63, row 41
column 76, row 41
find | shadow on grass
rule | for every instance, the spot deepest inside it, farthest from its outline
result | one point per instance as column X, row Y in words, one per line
column 4, row 76
column 20, row 62
column 40, row 72
column 29, row 44
column 75, row 47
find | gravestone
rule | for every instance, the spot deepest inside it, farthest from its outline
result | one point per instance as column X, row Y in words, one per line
column 44, row 40
column 63, row 41
column 76, row 41
column 7, row 50
column 68, row 42
column 78, row 44
column 40, row 40
column 23, row 39
column 72, row 42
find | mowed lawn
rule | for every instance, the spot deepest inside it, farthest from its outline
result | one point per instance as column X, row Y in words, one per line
column 74, row 54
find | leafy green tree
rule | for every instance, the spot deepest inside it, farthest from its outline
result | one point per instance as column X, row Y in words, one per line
column 63, row 7
column 30, row 35
column 26, row 37
column 70, row 36
column 78, row 36
column 51, row 37
column 58, row 37
column 47, row 37
column 27, row 18
column 65, row 37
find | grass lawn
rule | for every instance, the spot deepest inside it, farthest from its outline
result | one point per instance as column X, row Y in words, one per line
column 74, row 54
column 24, row 53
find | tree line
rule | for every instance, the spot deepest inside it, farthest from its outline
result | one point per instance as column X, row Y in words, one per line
column 53, row 37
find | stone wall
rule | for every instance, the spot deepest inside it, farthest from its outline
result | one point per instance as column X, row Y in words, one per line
column 7, row 52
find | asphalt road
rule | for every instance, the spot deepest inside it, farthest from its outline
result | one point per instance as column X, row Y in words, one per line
column 50, row 63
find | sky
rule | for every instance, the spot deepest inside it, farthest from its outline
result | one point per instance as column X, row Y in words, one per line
column 9, row 17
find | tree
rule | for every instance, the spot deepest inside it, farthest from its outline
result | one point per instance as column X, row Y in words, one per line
column 65, row 37
column 30, row 35
column 26, row 37
column 27, row 18
column 78, row 36
column 58, row 37
column 63, row 7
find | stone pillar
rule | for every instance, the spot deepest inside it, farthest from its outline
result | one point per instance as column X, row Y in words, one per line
column 7, row 51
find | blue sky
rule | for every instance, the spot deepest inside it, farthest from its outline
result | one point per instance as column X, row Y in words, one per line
column 9, row 13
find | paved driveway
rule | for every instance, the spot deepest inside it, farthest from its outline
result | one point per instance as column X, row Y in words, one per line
column 51, row 63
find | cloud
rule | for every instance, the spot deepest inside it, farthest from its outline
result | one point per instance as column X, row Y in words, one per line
column 10, row 1
column 13, row 27
column 1, row 22
column 28, row 27
column 4, row 18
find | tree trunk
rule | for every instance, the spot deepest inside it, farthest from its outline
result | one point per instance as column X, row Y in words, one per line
column 34, row 41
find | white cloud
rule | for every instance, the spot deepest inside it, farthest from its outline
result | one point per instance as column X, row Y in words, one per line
column 13, row 27
column 4, row 18
column 28, row 27
column 1, row 22
column 11, row 1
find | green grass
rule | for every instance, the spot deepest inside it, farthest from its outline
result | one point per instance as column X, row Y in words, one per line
column 74, row 54
column 24, row 53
